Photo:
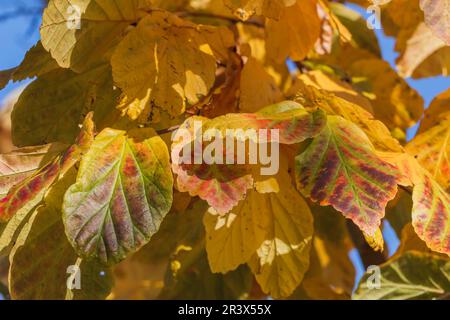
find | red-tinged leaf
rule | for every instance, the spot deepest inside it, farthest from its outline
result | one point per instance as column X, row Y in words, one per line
column 431, row 203
column 222, row 188
column 224, row 185
column 340, row 168
column 20, row 164
column 295, row 123
column 122, row 193
column 431, row 214
column 30, row 192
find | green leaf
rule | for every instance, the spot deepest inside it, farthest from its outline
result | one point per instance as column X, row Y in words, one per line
column 357, row 25
column 79, row 33
column 122, row 193
column 52, row 107
column 37, row 62
column 413, row 275
column 340, row 168
column 42, row 255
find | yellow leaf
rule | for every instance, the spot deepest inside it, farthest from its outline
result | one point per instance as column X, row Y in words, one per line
column 432, row 146
column 422, row 45
column 422, row 54
column 258, row 88
column 376, row 242
column 376, row 131
column 166, row 63
column 396, row 104
column 271, row 231
column 295, row 33
column 79, row 33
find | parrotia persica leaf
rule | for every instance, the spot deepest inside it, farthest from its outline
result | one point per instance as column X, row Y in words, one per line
column 42, row 258
column 413, row 275
column 432, row 146
column 431, row 214
column 437, row 17
column 24, row 196
column 282, row 259
column 63, row 97
column 295, row 33
column 20, row 164
column 431, row 204
column 396, row 104
column 340, row 168
column 271, row 230
column 258, row 88
column 244, row 9
column 80, row 33
column 37, row 62
column 362, row 36
column 224, row 185
column 166, row 63
column 122, row 193
column 350, row 108
column 422, row 52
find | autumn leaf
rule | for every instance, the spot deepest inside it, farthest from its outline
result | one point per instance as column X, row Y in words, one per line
column 122, row 193
column 437, row 17
column 432, row 146
column 161, row 42
column 80, row 33
column 422, row 53
column 222, row 185
column 295, row 33
column 18, row 165
column 42, row 246
column 65, row 105
column 431, row 214
column 413, row 275
column 361, row 36
column 37, row 62
column 431, row 209
column 258, row 88
column 24, row 196
column 421, row 50
column 340, row 168
column 282, row 258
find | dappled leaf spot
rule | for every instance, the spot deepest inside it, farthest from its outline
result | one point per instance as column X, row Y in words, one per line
column 122, row 193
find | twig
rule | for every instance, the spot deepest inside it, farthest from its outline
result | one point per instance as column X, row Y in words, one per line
column 168, row 130
column 220, row 17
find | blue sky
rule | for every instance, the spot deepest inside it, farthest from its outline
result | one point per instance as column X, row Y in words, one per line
column 17, row 37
